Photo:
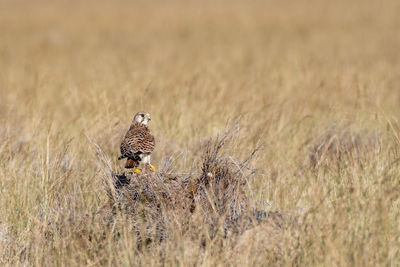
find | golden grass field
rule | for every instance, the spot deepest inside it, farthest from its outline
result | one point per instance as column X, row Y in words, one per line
column 316, row 84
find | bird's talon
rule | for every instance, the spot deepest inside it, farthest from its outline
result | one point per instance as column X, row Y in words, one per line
column 137, row 170
column 152, row 167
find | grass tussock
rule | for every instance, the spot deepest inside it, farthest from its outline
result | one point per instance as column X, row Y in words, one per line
column 342, row 145
column 206, row 205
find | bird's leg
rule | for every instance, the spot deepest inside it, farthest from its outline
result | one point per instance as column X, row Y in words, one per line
column 146, row 160
column 152, row 167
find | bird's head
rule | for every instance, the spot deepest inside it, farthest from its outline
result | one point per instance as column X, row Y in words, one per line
column 142, row 117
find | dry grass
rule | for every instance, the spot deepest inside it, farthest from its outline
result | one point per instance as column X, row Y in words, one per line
column 315, row 84
column 342, row 146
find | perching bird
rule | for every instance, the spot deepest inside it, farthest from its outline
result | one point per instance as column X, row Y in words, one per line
column 138, row 143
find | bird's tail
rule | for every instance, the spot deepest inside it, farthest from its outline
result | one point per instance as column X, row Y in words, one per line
column 121, row 157
column 130, row 163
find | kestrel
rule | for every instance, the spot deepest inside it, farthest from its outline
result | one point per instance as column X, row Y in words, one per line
column 138, row 143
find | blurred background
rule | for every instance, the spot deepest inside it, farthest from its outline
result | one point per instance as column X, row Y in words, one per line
column 326, row 54
column 196, row 64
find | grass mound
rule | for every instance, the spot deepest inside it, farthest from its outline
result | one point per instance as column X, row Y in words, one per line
column 208, row 204
column 342, row 145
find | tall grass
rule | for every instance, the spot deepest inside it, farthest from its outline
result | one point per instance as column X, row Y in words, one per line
column 314, row 83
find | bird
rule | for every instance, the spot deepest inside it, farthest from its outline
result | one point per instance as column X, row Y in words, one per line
column 138, row 143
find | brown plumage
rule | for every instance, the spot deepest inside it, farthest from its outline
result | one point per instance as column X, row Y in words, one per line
column 138, row 142
column 130, row 163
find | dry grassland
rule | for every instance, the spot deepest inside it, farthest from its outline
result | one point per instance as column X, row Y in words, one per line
column 314, row 86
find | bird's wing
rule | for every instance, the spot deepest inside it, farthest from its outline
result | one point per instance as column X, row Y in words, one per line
column 137, row 139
